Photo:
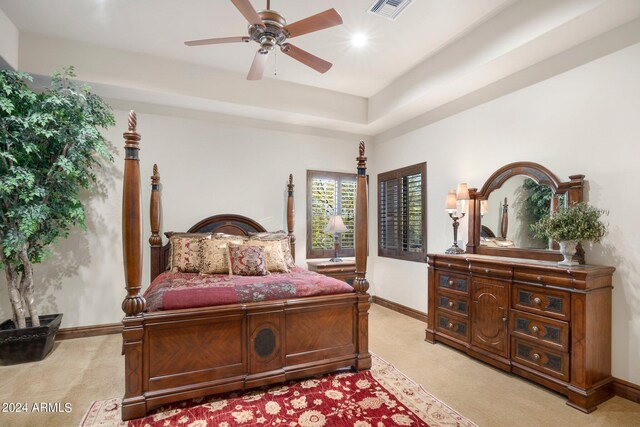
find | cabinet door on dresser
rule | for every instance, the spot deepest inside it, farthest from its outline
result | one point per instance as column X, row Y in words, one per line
column 489, row 308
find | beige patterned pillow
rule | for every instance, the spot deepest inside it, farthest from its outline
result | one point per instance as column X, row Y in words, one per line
column 273, row 254
column 185, row 252
column 214, row 254
column 284, row 240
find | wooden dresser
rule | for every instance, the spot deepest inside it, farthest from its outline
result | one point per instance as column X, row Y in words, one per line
column 544, row 322
column 343, row 270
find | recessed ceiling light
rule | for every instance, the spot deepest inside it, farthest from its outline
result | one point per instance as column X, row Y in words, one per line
column 359, row 40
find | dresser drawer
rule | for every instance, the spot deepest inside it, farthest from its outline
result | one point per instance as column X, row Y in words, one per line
column 543, row 330
column 459, row 264
column 536, row 276
column 453, row 302
column 490, row 270
column 453, row 326
column 550, row 362
column 539, row 300
column 452, row 282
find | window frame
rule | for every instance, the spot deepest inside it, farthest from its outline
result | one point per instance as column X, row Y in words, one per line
column 399, row 174
column 325, row 253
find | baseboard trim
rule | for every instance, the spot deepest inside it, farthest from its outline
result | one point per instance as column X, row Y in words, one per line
column 402, row 309
column 89, row 331
column 627, row 390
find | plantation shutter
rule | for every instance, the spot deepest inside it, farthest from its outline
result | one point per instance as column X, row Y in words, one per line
column 412, row 213
column 330, row 193
column 388, row 218
column 401, row 213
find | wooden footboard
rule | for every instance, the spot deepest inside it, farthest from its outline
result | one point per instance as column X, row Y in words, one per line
column 180, row 354
column 189, row 353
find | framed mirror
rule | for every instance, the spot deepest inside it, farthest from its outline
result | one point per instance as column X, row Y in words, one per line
column 513, row 198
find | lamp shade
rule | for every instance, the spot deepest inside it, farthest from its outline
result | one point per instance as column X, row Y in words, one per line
column 484, row 207
column 462, row 193
column 335, row 225
column 451, row 203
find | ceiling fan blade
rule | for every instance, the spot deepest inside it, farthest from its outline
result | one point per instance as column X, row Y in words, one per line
column 322, row 20
column 249, row 13
column 306, row 58
column 258, row 65
column 217, row 41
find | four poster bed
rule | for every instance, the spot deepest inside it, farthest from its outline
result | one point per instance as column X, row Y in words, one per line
column 179, row 346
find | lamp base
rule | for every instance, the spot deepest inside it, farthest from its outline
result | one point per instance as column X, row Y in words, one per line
column 455, row 249
column 336, row 259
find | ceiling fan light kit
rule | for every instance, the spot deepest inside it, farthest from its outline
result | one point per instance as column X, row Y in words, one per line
column 269, row 29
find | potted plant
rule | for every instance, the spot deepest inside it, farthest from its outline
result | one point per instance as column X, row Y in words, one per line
column 49, row 147
column 571, row 225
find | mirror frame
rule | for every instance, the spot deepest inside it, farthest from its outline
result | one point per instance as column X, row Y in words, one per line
column 573, row 189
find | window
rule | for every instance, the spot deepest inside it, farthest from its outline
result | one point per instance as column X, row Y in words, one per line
column 330, row 193
column 402, row 224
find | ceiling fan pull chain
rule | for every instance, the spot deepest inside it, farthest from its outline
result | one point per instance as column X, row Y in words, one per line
column 275, row 63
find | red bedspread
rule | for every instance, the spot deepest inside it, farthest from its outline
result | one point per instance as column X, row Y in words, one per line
column 188, row 290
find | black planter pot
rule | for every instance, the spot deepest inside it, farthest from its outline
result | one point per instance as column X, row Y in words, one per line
column 29, row 344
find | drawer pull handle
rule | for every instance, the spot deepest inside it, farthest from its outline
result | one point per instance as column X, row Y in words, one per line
column 504, row 319
column 539, row 278
column 451, row 304
column 534, row 329
column 342, row 269
column 451, row 325
column 450, row 282
column 537, row 300
column 486, row 270
column 536, row 356
column 449, row 265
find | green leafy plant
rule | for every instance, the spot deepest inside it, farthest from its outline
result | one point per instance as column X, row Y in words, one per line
column 50, row 145
column 578, row 222
column 538, row 198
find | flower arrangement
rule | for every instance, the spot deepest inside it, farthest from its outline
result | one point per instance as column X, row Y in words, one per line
column 578, row 222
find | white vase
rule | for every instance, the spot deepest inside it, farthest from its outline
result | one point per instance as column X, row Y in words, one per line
column 568, row 250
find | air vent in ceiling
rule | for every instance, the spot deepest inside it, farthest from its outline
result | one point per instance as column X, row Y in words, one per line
column 389, row 9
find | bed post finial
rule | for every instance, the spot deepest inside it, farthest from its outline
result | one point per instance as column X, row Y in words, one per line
column 361, row 284
column 291, row 211
column 133, row 303
column 133, row 121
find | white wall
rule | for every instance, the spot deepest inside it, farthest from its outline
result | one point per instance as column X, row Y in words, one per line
column 206, row 168
column 582, row 121
column 8, row 42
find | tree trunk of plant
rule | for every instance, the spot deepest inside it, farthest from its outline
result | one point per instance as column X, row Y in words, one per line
column 14, row 294
column 26, row 287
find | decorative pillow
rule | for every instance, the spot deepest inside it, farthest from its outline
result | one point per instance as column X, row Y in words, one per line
column 245, row 260
column 273, row 254
column 214, row 254
column 185, row 251
column 284, row 240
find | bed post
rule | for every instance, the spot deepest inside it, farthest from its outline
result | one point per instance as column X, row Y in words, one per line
column 133, row 403
column 361, row 284
column 291, row 211
column 155, row 213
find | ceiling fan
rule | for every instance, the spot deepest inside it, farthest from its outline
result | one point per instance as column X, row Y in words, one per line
column 269, row 29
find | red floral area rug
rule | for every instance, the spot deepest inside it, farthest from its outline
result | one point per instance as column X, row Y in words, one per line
column 380, row 397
